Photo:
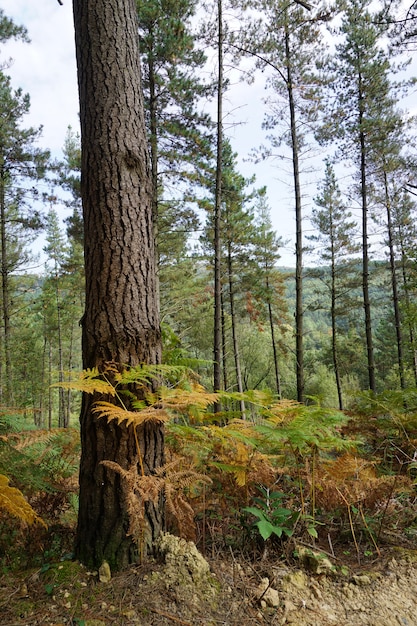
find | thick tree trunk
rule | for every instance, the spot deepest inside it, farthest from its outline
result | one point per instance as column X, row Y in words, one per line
column 121, row 320
column 153, row 140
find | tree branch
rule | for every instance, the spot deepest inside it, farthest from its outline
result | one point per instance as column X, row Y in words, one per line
column 304, row 4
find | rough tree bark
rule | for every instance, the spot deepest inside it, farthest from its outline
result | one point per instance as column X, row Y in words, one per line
column 121, row 320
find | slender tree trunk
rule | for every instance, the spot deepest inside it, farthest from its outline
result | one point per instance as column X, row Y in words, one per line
column 365, row 245
column 333, row 314
column 407, row 302
column 68, row 403
column 62, row 413
column 121, row 321
column 50, row 398
column 8, row 399
column 224, row 344
column 274, row 345
column 334, row 335
column 1, row 371
column 217, row 211
column 394, row 285
column 299, row 314
column 43, row 378
column 234, row 333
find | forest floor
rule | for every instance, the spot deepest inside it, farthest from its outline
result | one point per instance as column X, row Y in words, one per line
column 183, row 588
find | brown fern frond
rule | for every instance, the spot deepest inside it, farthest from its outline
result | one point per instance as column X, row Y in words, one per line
column 140, row 489
column 27, row 438
column 13, row 502
column 176, row 481
column 149, row 487
column 349, row 466
column 354, row 480
column 135, row 506
column 128, row 475
column 181, row 478
column 182, row 512
column 136, row 418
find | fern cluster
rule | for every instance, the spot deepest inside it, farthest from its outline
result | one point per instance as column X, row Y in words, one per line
column 325, row 463
column 42, row 466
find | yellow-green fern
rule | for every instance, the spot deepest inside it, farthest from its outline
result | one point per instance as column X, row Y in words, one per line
column 12, row 501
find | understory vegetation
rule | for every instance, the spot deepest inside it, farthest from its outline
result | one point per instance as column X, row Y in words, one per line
column 287, row 475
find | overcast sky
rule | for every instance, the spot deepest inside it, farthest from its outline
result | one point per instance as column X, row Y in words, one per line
column 46, row 69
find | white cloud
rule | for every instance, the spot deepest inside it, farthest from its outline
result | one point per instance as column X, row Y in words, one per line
column 46, row 67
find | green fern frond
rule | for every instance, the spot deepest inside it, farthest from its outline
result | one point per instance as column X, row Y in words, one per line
column 136, row 418
column 239, row 472
column 237, row 431
column 243, row 431
column 303, row 426
column 13, row 502
column 40, row 460
column 255, row 397
column 179, row 399
column 145, row 374
column 189, row 441
column 14, row 420
column 283, row 410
